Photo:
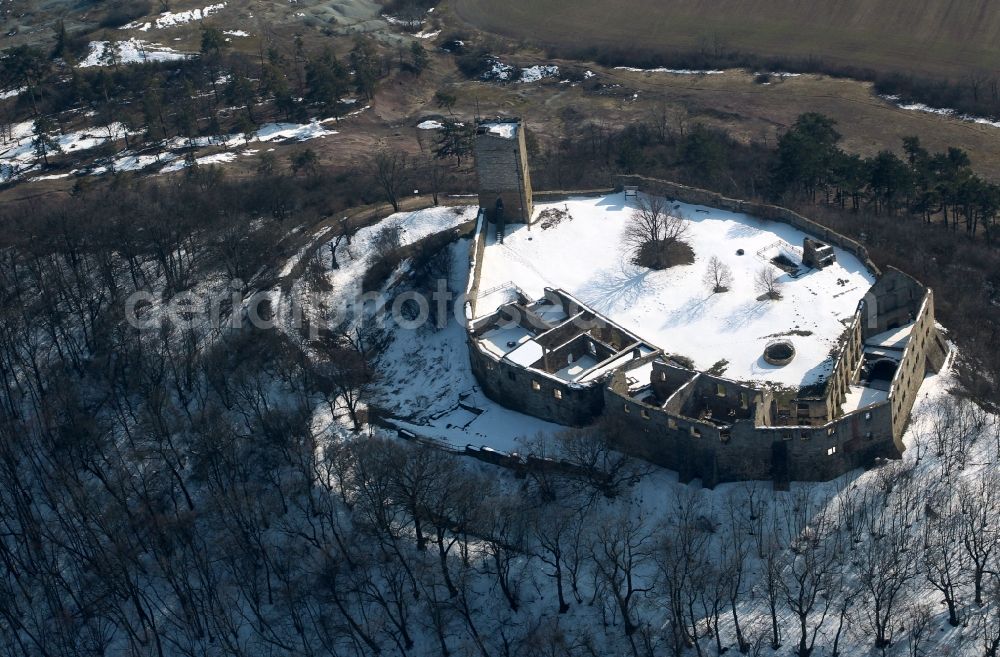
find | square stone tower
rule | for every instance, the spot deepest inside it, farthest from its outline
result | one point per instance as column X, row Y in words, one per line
column 502, row 167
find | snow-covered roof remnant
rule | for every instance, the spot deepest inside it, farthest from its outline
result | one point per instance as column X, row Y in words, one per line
column 526, row 354
column 505, row 129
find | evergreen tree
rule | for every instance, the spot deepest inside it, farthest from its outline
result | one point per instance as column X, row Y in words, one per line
column 806, row 154
column 43, row 142
column 327, row 83
column 419, row 58
column 364, row 61
column 455, row 141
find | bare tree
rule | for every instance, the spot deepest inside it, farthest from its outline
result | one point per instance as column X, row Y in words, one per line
column 683, row 563
column 944, row 559
column 807, row 582
column 553, row 527
column 652, row 231
column 503, row 527
column 391, row 170
column 988, row 623
column 979, row 501
column 621, row 553
column 886, row 565
column 767, row 283
column 435, row 176
column 736, row 549
column 919, row 618
column 718, row 276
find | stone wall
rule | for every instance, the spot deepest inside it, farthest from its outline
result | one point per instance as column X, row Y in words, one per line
column 894, row 301
column 838, row 383
column 535, row 393
column 476, row 253
column 502, row 168
column 744, row 451
column 924, row 352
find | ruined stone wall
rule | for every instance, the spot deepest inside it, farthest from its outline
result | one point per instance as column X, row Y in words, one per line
column 923, row 352
column 534, row 392
column 667, row 379
column 476, row 253
column 574, row 350
column 838, row 383
column 746, row 450
column 894, row 301
column 697, row 450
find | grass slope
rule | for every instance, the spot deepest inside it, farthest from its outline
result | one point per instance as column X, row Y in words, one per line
column 943, row 37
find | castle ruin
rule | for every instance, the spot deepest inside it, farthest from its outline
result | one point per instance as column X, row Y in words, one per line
column 557, row 359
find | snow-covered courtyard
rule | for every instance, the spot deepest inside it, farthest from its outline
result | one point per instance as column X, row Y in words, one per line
column 584, row 254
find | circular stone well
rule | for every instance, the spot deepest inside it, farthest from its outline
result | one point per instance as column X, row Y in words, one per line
column 779, row 353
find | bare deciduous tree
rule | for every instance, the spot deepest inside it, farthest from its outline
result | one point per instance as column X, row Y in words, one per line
column 944, row 560
column 718, row 276
column 391, row 170
column 767, row 283
column 623, row 549
column 652, row 231
column 979, row 501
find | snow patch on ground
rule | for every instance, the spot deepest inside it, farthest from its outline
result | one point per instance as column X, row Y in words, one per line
column 236, row 33
column 431, row 376
column 133, row 51
column 536, row 73
column 671, row 71
column 430, row 125
column 393, row 20
column 673, row 309
column 18, row 156
column 505, row 129
column 12, row 93
column 215, row 158
column 172, row 19
column 501, row 72
column 941, row 111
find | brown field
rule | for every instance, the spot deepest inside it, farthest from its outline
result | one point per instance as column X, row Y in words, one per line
column 749, row 112
column 939, row 37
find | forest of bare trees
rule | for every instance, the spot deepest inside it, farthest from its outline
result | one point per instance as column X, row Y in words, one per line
column 169, row 492
column 195, row 490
